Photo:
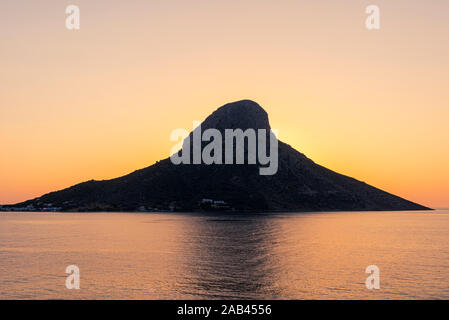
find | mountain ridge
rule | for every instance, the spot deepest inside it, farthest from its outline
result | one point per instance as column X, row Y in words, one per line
column 299, row 184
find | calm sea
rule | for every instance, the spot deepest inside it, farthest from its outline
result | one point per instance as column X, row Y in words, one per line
column 205, row 256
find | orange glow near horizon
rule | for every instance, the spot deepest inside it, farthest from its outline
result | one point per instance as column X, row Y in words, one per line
column 101, row 102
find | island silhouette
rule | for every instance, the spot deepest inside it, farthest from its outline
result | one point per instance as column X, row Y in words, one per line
column 298, row 185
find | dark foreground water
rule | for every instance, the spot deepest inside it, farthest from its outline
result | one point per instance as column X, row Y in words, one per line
column 193, row 256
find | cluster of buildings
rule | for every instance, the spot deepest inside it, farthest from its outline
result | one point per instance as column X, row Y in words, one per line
column 210, row 204
column 46, row 208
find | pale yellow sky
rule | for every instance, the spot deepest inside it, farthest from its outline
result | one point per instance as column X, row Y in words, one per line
column 101, row 101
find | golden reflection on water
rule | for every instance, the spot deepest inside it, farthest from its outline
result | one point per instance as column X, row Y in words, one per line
column 205, row 256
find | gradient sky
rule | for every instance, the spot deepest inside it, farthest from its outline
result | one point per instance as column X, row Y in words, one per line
column 101, row 102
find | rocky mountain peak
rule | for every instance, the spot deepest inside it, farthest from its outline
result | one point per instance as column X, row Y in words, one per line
column 241, row 114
